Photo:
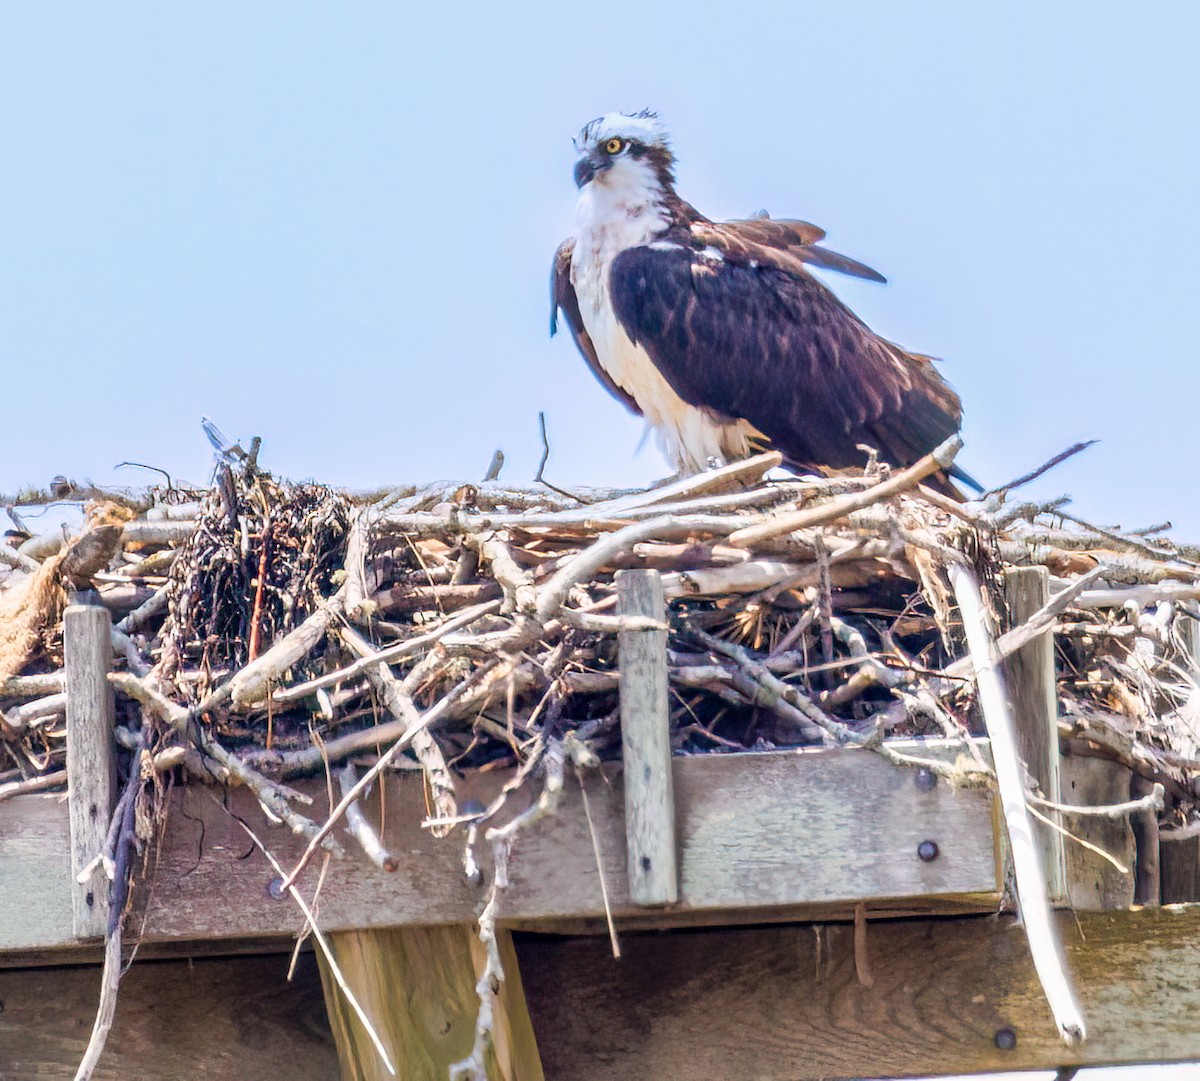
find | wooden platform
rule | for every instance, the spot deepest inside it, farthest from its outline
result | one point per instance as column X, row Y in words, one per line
column 779, row 835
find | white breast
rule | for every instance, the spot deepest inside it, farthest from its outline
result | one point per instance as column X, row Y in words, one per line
column 611, row 217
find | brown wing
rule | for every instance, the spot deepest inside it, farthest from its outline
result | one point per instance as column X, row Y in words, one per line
column 563, row 298
column 780, row 350
column 783, row 243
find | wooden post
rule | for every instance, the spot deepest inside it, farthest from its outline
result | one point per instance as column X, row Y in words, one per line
column 417, row 985
column 1093, row 883
column 1034, row 696
column 646, row 742
column 91, row 767
column 1180, row 860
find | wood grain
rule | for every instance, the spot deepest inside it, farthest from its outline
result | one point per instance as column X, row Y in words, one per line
column 222, row 1019
column 784, row 1004
column 91, row 762
column 417, row 984
column 755, row 832
column 1093, row 882
column 1033, row 692
column 646, row 744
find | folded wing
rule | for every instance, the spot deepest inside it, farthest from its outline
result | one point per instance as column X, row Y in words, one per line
column 563, row 298
column 736, row 324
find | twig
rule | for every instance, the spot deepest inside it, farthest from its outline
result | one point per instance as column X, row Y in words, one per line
column 253, row 683
column 1058, row 459
column 539, row 478
column 323, row 944
column 121, row 837
column 16, row 559
column 1095, row 849
column 33, row 784
column 938, row 459
column 271, row 795
column 1152, row 801
column 582, row 755
column 1031, row 886
column 401, row 706
column 364, row 832
column 405, row 737
column 1035, row 626
column 418, row 644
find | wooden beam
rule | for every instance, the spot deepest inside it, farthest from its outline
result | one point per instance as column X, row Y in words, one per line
column 950, row 996
column 417, row 985
column 91, row 764
column 221, row 1019
column 1034, row 694
column 646, row 743
column 756, row 832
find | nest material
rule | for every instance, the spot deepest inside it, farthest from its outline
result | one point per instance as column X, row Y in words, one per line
column 255, row 619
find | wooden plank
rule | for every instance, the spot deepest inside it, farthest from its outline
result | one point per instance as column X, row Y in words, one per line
column 1180, row 860
column 1180, row 871
column 1094, row 884
column 1034, row 695
column 1147, row 876
column 417, row 985
column 91, row 764
column 35, row 873
column 756, row 832
column 219, row 1019
column 646, row 743
column 784, row 1004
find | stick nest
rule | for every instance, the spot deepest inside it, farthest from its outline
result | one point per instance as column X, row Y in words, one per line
column 274, row 629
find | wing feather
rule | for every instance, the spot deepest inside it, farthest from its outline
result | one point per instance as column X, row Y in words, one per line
column 779, row 350
column 563, row 298
column 782, row 242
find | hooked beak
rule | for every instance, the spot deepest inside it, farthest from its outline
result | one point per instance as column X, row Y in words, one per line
column 586, row 169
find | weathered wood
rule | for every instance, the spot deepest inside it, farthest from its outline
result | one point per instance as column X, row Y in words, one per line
column 417, row 985
column 1093, row 883
column 1033, row 692
column 1180, row 861
column 1147, row 881
column 220, row 1019
column 1033, row 901
column 756, row 833
column 91, row 764
column 784, row 1004
column 646, row 743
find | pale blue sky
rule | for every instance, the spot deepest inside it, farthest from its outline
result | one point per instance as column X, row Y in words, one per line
column 331, row 224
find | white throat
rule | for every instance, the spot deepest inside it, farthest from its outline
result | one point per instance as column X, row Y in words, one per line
column 622, row 208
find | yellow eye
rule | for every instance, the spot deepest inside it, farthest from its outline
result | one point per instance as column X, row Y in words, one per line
column 614, row 146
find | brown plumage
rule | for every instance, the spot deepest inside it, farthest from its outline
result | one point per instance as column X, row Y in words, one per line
column 731, row 317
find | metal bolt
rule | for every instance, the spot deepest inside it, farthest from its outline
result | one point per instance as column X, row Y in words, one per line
column 275, row 889
column 926, row 779
column 1006, row 1039
column 927, row 851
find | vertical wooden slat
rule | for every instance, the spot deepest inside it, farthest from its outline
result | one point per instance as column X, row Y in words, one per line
column 1034, row 696
column 1093, row 883
column 1180, row 860
column 91, row 768
column 1147, row 875
column 646, row 741
column 417, row 985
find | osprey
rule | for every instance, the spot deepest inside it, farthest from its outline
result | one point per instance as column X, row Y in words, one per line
column 718, row 334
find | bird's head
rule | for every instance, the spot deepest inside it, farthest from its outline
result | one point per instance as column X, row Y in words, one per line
column 623, row 148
